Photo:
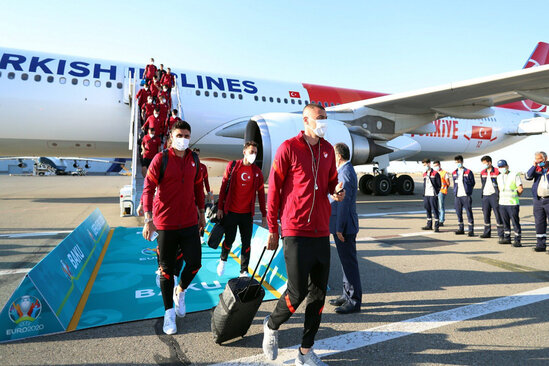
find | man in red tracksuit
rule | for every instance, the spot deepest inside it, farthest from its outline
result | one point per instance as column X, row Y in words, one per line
column 148, row 108
column 142, row 96
column 168, row 79
column 236, row 205
column 154, row 122
column 164, row 94
column 150, row 71
column 302, row 176
column 172, row 212
column 163, row 112
column 150, row 146
column 155, row 88
column 173, row 119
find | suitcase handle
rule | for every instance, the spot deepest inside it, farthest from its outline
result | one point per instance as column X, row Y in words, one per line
column 255, row 270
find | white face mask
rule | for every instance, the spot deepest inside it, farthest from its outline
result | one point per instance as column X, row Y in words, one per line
column 321, row 128
column 180, row 143
column 503, row 170
column 427, row 167
column 151, row 135
column 437, row 168
column 251, row 158
column 156, row 115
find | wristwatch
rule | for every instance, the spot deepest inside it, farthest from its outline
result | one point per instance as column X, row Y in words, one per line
column 148, row 220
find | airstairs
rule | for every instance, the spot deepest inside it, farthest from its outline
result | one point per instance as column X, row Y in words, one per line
column 130, row 195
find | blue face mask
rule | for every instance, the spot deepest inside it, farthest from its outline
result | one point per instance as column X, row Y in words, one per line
column 459, row 165
column 486, row 166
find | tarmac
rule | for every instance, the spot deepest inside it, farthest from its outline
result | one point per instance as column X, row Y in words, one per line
column 429, row 298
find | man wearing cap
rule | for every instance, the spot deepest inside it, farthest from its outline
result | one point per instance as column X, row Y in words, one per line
column 510, row 188
column 539, row 172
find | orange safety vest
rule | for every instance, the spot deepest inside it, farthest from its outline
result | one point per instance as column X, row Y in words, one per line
column 445, row 182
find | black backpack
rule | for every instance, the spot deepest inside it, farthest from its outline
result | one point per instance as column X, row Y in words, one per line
column 165, row 164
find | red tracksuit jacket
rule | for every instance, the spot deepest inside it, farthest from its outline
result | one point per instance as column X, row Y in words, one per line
column 178, row 195
column 150, row 71
column 142, row 96
column 167, row 79
column 303, row 212
column 224, row 201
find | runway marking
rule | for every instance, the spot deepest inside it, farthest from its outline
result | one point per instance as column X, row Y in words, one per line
column 532, row 272
column 84, row 299
column 448, row 210
column 14, row 271
column 367, row 337
column 32, row 234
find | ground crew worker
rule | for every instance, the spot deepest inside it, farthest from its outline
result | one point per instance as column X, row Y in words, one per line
column 150, row 146
column 464, row 181
column 445, row 183
column 510, row 188
column 150, row 71
column 539, row 172
column 431, row 189
column 172, row 213
column 204, row 172
column 236, row 205
column 490, row 197
column 344, row 227
column 302, row 176
column 168, row 80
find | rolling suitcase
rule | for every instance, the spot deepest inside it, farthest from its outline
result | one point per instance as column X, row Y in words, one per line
column 238, row 304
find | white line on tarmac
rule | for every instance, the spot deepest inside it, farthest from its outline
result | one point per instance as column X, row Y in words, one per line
column 355, row 340
column 14, row 271
column 31, row 234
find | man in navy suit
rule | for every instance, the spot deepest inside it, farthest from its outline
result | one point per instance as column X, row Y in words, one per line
column 344, row 227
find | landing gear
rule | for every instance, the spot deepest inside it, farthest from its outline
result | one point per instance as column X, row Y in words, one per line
column 366, row 184
column 405, row 185
column 381, row 184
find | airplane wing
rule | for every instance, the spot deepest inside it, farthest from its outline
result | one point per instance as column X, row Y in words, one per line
column 466, row 99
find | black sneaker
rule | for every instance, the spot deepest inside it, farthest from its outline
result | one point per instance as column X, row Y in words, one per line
column 485, row 236
column 505, row 241
column 538, row 249
column 427, row 228
column 437, row 230
column 460, row 232
column 441, row 224
column 470, row 233
column 517, row 244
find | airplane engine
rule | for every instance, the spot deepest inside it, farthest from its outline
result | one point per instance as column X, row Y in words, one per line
column 269, row 130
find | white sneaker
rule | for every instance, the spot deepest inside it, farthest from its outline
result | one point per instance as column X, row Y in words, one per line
column 244, row 274
column 310, row 359
column 270, row 340
column 170, row 327
column 179, row 303
column 221, row 268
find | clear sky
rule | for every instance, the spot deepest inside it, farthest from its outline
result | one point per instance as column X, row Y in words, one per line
column 387, row 46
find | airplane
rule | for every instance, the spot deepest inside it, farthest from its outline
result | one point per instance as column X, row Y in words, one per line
column 57, row 105
column 58, row 166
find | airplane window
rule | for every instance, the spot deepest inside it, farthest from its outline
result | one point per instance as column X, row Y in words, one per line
column 97, row 83
column 264, row 99
column 293, row 101
column 240, row 96
column 256, row 98
column 24, row 76
column 215, row 94
column 198, row 92
column 62, row 80
column 332, row 104
column 37, row 77
column 108, row 84
column 312, row 102
column 119, row 85
column 11, row 75
column 320, row 103
column 224, row 95
column 74, row 81
column 285, row 101
column 271, row 99
column 50, row 79
column 278, row 100
column 232, row 96
column 206, row 93
column 299, row 101
column 86, row 82
column 0, row 74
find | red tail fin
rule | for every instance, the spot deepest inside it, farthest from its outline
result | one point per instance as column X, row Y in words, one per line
column 539, row 57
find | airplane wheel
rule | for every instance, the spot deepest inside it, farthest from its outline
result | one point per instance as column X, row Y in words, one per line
column 366, row 184
column 41, row 173
column 382, row 185
column 405, row 185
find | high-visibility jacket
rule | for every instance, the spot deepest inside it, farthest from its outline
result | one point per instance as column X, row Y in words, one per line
column 508, row 193
column 445, row 182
